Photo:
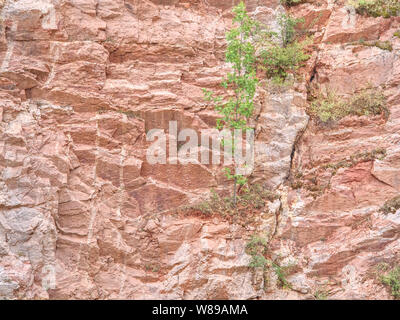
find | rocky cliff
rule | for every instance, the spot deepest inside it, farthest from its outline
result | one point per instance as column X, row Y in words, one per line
column 82, row 213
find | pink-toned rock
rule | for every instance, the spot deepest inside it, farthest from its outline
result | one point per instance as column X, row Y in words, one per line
column 84, row 216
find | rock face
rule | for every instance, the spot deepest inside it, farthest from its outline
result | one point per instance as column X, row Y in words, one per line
column 84, row 216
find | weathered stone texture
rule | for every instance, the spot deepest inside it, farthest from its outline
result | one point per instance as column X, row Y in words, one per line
column 83, row 215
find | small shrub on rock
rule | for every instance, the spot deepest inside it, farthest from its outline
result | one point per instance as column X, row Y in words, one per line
column 283, row 55
column 327, row 107
column 377, row 8
column 391, row 278
column 250, row 198
column 384, row 45
column 391, row 206
column 257, row 248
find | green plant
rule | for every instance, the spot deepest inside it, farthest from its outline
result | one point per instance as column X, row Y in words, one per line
column 377, row 8
column 291, row 3
column 368, row 102
column 236, row 111
column 392, row 279
column 281, row 60
column 397, row 34
column 330, row 107
column 249, row 198
column 391, row 206
column 257, row 248
column 327, row 107
column 287, row 29
column 321, row 295
column 384, row 45
column 281, row 273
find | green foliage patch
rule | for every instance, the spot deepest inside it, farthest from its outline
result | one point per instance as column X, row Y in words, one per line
column 249, row 199
column 281, row 273
column 377, row 8
column 328, row 107
column 280, row 60
column 384, row 45
column 257, row 248
column 237, row 110
column 390, row 277
column 280, row 54
column 321, row 295
column 391, row 206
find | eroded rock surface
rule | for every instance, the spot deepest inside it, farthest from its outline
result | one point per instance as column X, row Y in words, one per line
column 83, row 215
